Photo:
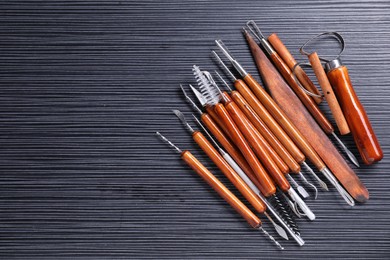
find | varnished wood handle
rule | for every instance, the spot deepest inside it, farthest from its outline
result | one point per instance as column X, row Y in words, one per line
column 363, row 134
column 228, row 171
column 309, row 103
column 330, row 97
column 257, row 143
column 284, row 121
column 265, row 131
column 214, row 116
column 267, row 186
column 229, row 146
column 295, row 110
column 275, row 83
column 221, row 189
column 260, row 146
column 262, row 112
column 287, row 57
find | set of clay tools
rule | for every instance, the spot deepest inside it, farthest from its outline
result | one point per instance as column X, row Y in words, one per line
column 265, row 140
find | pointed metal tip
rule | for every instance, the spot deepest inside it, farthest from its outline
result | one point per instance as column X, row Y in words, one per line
column 271, row 237
column 182, row 119
column 350, row 155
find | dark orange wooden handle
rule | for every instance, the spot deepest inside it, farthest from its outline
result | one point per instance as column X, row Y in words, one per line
column 211, row 112
column 227, row 144
column 363, row 134
column 221, row 189
column 309, row 103
column 284, row 121
column 287, row 57
column 275, row 83
column 269, row 120
column 330, row 97
column 258, row 146
column 265, row 131
column 233, row 177
column 267, row 185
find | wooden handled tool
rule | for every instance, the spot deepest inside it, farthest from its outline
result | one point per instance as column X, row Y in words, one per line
column 228, row 145
column 329, row 95
column 233, row 177
column 265, row 131
column 363, row 134
column 267, row 185
column 289, row 60
column 221, row 189
column 258, row 146
column 305, row 127
column 274, row 108
column 309, row 103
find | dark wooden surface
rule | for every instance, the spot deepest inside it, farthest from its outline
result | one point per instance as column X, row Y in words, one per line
column 84, row 86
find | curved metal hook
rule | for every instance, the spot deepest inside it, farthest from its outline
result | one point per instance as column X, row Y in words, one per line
column 299, row 83
column 321, row 35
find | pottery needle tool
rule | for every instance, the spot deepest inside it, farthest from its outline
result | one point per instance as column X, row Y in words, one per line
column 302, row 93
column 234, row 120
column 221, row 189
column 259, row 115
column 362, row 131
column 301, row 126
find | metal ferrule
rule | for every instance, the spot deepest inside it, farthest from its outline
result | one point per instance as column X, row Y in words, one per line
column 333, row 64
column 267, row 47
column 239, row 68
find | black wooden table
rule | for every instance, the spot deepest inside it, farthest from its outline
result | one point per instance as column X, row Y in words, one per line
column 85, row 84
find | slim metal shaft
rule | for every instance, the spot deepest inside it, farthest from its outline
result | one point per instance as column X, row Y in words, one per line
column 350, row 155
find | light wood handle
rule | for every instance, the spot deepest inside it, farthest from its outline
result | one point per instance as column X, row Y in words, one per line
column 330, row 96
column 309, row 103
column 258, row 146
column 221, row 189
column 214, row 116
column 267, row 186
column 228, row 171
column 287, row 57
column 265, row 131
column 363, row 134
column 262, row 112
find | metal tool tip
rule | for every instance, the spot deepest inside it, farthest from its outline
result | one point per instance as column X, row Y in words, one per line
column 271, row 237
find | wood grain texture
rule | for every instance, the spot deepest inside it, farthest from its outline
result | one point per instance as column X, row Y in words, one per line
column 84, row 86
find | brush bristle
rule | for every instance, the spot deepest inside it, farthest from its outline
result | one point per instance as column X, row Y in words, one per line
column 208, row 91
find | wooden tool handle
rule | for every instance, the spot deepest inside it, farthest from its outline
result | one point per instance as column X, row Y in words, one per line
column 265, row 131
column 211, row 112
column 287, row 57
column 275, row 83
column 221, row 189
column 330, row 97
column 309, row 103
column 233, row 177
column 363, row 134
column 267, row 186
column 269, row 120
column 228, row 145
column 258, row 145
